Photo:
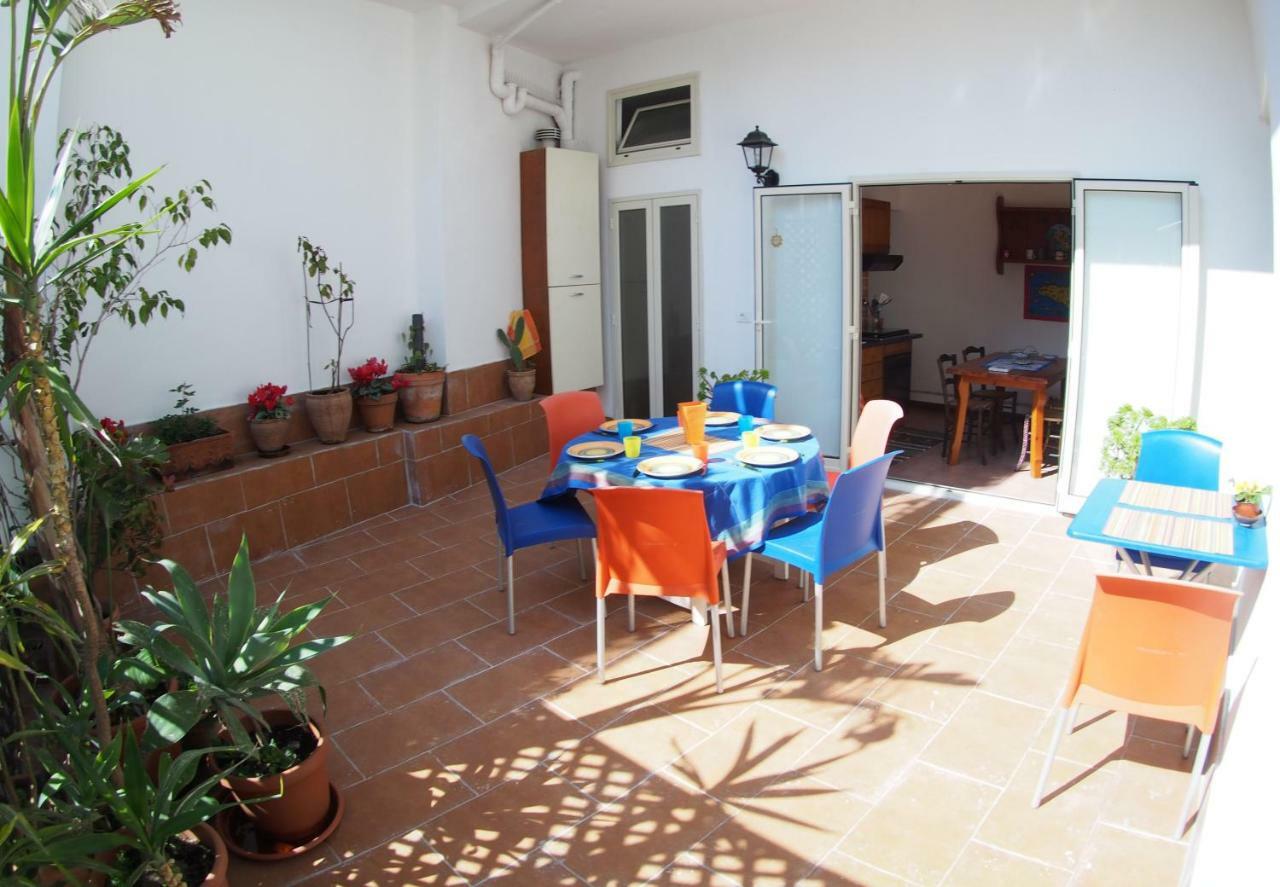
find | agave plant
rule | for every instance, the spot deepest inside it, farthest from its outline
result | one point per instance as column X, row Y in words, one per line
column 37, row 843
column 227, row 654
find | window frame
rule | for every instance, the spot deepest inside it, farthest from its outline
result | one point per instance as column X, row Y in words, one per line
column 662, row 151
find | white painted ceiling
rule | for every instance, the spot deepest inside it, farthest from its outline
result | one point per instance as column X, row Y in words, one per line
column 579, row 29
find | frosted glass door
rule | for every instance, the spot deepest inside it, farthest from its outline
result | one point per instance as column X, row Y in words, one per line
column 1134, row 315
column 802, row 311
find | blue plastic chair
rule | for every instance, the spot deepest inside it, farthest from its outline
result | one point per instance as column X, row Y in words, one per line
column 740, row 396
column 534, row 523
column 822, row 544
column 1177, row 458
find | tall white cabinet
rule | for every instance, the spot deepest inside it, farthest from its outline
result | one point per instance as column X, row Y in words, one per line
column 560, row 240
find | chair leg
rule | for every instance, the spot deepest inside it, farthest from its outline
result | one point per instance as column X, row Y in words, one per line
column 1193, row 790
column 746, row 594
column 502, row 557
column 800, row 579
column 1058, row 730
column 727, row 595
column 1186, row 743
column 631, row 612
column 817, row 626
column 511, row 594
column 600, row 638
column 1075, row 718
column 582, row 563
column 714, row 612
column 882, row 564
column 804, row 583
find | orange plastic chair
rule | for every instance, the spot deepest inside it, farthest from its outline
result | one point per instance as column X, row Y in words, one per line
column 569, row 415
column 871, row 434
column 1156, row 648
column 656, row 542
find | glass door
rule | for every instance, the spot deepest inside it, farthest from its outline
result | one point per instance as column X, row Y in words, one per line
column 657, row 310
column 1134, row 315
column 805, row 329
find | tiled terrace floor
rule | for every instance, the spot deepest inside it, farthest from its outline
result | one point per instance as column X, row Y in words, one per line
column 466, row 754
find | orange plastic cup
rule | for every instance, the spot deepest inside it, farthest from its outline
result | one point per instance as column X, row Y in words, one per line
column 693, row 419
column 702, row 452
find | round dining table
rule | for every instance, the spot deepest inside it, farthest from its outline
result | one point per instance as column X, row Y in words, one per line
column 742, row 501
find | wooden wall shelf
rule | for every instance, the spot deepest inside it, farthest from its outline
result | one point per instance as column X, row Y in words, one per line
column 1020, row 228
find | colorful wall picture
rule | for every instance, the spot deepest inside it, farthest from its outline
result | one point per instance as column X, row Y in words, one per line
column 1048, row 293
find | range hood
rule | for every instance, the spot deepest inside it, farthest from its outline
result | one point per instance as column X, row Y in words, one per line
column 880, row 262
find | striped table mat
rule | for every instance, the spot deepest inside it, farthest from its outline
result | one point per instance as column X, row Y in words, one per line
column 674, row 441
column 1185, row 500
column 1172, row 531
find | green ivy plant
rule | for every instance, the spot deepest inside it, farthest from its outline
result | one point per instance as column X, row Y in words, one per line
column 708, row 379
column 1125, row 428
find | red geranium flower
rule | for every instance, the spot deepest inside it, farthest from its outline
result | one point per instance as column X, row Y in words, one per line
column 268, row 402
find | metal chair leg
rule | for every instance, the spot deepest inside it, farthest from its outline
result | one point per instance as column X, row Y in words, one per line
column 800, row 579
column 1075, row 718
column 511, row 594
column 1058, row 730
column 882, row 564
column 582, row 563
column 804, row 583
column 502, row 557
column 817, row 626
column 714, row 612
column 631, row 612
column 1186, row 744
column 1193, row 790
column 746, row 594
column 726, row 595
column 600, row 638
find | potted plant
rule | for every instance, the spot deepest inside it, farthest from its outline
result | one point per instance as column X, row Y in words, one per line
column 1248, row 501
column 232, row 652
column 423, row 392
column 195, row 442
column 1125, row 428
column 376, row 393
column 709, row 379
column 328, row 409
column 522, row 373
column 269, row 418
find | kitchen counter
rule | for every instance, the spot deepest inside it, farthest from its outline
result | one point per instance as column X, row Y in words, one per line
column 869, row 341
column 886, row 366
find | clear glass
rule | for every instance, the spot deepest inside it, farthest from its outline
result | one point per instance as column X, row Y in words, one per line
column 803, row 289
column 676, row 289
column 633, row 286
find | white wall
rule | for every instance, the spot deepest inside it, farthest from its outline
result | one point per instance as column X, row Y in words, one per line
column 947, row 287
column 364, row 125
column 1026, row 88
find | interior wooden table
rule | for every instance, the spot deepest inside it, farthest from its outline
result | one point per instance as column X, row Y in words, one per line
column 975, row 372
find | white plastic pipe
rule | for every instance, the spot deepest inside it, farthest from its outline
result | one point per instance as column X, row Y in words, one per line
column 516, row 98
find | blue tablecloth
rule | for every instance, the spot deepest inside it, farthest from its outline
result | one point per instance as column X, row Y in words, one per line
column 741, row 502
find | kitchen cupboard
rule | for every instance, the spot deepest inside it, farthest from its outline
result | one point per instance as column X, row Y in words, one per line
column 560, row 265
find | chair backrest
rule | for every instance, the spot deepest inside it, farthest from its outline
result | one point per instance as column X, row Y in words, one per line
column 851, row 520
column 1155, row 648
column 1179, row 458
column 972, row 351
column 569, row 415
column 948, row 382
column 500, row 514
column 871, row 434
column 653, row 541
column 742, row 396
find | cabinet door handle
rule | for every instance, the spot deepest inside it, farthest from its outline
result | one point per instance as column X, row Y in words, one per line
column 576, row 276
column 577, row 294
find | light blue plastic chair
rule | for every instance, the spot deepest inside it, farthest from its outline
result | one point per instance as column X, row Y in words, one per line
column 534, row 523
column 1177, row 458
column 741, row 396
column 822, row 544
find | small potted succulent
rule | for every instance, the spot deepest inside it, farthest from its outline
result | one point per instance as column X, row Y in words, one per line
column 522, row 374
column 376, row 393
column 329, row 408
column 195, row 442
column 423, row 392
column 1249, row 496
column 269, row 418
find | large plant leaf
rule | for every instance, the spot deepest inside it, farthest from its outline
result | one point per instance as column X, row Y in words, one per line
column 242, row 601
column 49, row 214
column 172, row 716
column 77, row 231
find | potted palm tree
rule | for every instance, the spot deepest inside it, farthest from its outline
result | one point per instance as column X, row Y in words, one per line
column 328, row 409
column 423, row 393
column 269, row 418
column 522, row 374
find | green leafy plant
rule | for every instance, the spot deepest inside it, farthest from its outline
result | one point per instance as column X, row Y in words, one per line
column 1251, row 492
column 419, row 358
column 35, row 843
column 228, row 653
column 1125, row 428
column 512, row 344
column 334, row 297
column 185, row 422
column 707, row 380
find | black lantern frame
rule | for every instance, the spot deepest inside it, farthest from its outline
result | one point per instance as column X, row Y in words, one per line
column 757, row 150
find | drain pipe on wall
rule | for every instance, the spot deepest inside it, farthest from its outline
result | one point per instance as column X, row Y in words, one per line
column 517, row 98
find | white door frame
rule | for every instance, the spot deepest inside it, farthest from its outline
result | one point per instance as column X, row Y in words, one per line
column 850, row 223
column 1186, row 364
column 651, row 204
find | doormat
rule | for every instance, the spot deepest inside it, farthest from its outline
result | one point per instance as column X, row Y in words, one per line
column 913, row 441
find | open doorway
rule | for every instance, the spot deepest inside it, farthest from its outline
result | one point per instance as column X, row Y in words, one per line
column 982, row 289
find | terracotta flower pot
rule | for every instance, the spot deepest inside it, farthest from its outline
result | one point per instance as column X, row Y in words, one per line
column 330, row 413
column 303, row 805
column 269, row 435
column 193, row 456
column 207, row 836
column 521, row 383
column 378, row 413
column 420, row 399
column 1247, row 513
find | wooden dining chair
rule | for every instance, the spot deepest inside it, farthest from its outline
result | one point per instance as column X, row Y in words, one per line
column 656, row 542
column 979, row 418
column 1006, row 401
column 569, row 415
column 1154, row 648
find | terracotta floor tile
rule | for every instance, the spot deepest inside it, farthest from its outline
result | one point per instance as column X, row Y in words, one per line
column 789, row 641
column 342, row 772
column 936, row 592
column 511, row 746
column 432, row 629
column 934, row 683
column 744, row 683
column 1057, row 620
column 435, row 593
column 389, row 739
column 981, row 627
column 277, row 566
column 362, row 618
column 579, row 645
column 448, row 534
column 347, row 704
column 336, row 547
column 1026, row 584
column 839, row 868
column 905, row 632
column 402, row 860
column 941, row 535
column 323, row 576
column 1137, row 859
column 532, row 589
column 471, row 553
column 1004, row 526
column 580, row 607
column 1151, row 782
column 943, row 809
column 974, row 558
column 388, row 554
column 533, row 628
column 510, row 685
column 904, row 560
column 247, row 873
column 1030, row 672
column 420, row 674
column 986, row 738
column 356, row 657
column 1042, row 550
column 982, row 866
column 1097, row 737
column 825, row 698
column 377, row 583
column 869, row 749
column 537, row 871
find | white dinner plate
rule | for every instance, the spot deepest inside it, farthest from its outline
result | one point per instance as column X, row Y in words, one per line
column 722, row 417
column 768, row 457
column 785, row 432
column 595, row 450
column 637, row 425
column 666, row 467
